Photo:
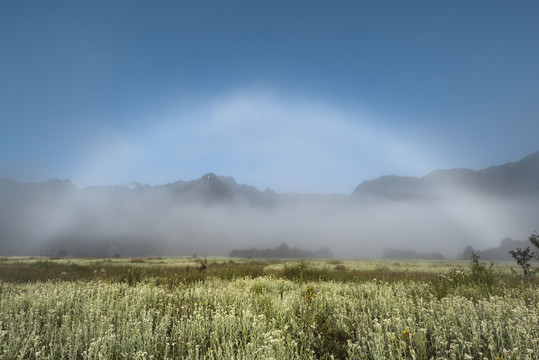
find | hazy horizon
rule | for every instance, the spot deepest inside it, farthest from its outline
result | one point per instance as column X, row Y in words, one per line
column 202, row 217
column 239, row 182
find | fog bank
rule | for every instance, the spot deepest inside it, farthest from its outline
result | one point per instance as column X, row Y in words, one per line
column 210, row 217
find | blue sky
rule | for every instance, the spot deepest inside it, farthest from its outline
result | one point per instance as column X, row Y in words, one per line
column 305, row 96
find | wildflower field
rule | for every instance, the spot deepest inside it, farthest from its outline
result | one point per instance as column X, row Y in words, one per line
column 179, row 308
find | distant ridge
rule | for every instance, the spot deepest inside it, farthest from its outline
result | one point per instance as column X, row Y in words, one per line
column 209, row 189
column 520, row 178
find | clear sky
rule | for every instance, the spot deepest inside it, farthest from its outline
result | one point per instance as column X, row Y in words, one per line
column 308, row 96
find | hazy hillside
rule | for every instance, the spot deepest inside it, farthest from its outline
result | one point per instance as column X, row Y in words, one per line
column 519, row 178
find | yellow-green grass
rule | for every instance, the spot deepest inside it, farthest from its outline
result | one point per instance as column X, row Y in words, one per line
column 220, row 308
column 263, row 318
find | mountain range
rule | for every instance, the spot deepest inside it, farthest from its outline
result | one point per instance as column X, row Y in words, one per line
column 214, row 214
column 519, row 178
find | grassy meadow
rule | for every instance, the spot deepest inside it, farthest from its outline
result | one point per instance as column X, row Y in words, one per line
column 218, row 308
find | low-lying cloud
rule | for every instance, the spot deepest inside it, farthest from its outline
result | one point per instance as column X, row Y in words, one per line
column 153, row 222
